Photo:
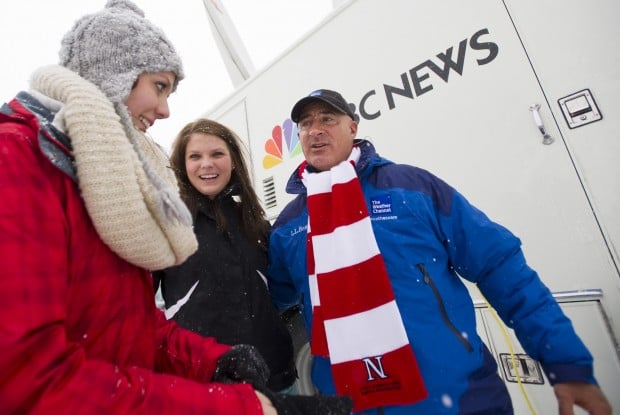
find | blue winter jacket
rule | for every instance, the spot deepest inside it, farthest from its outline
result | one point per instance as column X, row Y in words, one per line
column 429, row 236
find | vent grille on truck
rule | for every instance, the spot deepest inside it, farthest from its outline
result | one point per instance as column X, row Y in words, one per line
column 269, row 192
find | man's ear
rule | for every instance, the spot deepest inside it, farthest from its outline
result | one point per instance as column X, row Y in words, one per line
column 353, row 128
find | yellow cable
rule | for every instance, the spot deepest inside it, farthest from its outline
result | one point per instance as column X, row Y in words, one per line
column 512, row 354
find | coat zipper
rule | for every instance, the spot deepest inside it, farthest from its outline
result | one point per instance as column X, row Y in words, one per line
column 442, row 308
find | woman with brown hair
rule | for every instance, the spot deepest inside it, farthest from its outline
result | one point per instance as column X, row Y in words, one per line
column 221, row 290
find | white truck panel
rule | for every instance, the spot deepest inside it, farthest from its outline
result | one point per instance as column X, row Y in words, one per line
column 448, row 86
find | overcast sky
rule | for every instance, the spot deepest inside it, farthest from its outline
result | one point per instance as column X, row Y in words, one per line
column 31, row 30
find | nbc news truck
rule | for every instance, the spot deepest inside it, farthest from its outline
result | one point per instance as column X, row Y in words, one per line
column 513, row 102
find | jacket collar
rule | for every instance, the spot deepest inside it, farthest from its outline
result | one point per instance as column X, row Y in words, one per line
column 368, row 159
column 45, row 117
column 224, row 199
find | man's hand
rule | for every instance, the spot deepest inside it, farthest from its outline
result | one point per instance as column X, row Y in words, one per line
column 587, row 396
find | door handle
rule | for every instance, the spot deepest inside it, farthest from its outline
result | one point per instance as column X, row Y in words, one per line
column 547, row 139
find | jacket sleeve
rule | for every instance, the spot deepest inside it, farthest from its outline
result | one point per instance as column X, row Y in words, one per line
column 41, row 371
column 489, row 255
column 281, row 287
column 185, row 353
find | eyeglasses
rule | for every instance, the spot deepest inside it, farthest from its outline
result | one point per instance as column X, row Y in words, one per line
column 324, row 120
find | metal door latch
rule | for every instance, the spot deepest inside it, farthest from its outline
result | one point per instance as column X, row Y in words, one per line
column 525, row 369
column 579, row 108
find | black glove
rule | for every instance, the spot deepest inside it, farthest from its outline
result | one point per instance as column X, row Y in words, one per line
column 242, row 363
column 310, row 405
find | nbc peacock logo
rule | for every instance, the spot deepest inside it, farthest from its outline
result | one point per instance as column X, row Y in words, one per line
column 274, row 148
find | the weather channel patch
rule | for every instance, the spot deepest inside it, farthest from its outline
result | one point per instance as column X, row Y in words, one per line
column 381, row 205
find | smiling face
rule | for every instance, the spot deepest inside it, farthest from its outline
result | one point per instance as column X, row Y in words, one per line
column 326, row 136
column 148, row 99
column 208, row 163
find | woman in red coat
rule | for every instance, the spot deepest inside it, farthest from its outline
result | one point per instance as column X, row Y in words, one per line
column 87, row 209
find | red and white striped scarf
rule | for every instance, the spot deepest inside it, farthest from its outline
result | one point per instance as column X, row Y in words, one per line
column 356, row 322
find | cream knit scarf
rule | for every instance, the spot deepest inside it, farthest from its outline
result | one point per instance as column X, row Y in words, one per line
column 130, row 195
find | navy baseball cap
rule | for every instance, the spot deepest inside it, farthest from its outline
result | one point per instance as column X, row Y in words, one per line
column 330, row 97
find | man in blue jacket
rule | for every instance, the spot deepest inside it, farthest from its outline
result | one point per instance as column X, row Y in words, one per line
column 374, row 253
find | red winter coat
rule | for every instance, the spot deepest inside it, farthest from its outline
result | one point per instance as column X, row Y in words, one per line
column 79, row 330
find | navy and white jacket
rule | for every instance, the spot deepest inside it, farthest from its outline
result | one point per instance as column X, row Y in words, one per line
column 430, row 237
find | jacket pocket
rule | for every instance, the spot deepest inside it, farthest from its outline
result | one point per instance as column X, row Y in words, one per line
column 442, row 309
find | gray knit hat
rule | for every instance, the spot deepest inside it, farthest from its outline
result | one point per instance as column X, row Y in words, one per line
column 112, row 47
